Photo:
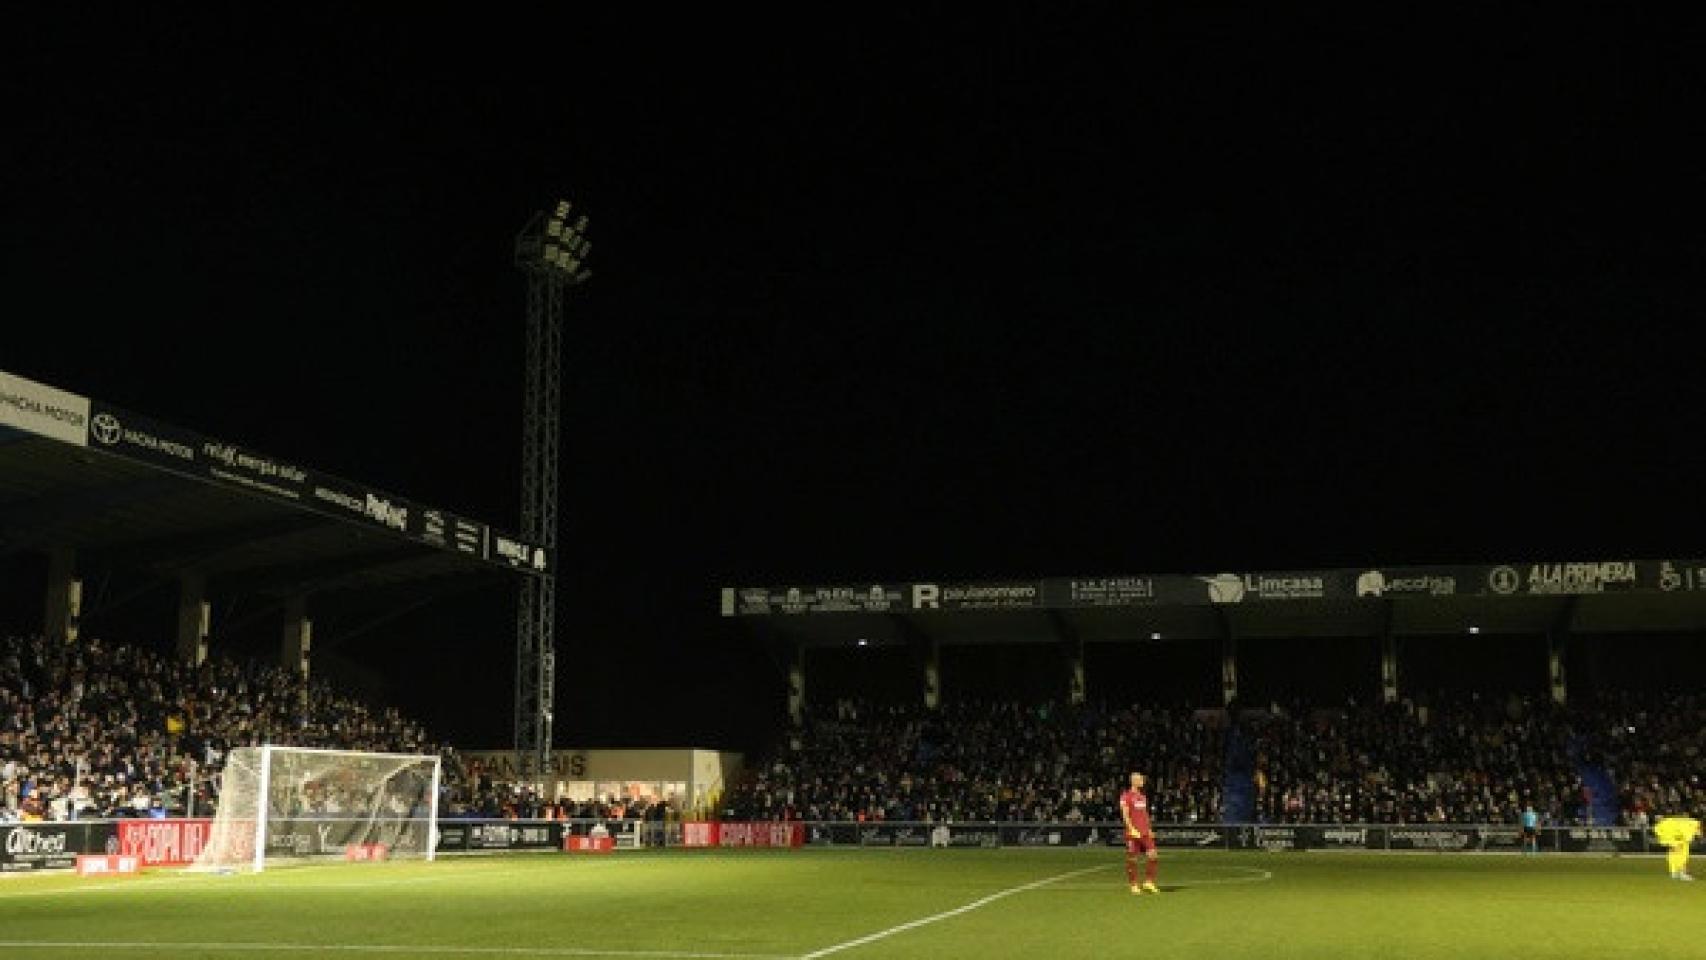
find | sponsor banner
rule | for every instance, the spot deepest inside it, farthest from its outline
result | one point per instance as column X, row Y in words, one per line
column 967, row 836
column 1569, row 579
column 163, row 843
column 353, row 502
column 1281, row 585
column 468, row 536
column 1014, row 594
column 137, row 437
column 1411, row 582
column 43, row 410
column 1198, row 836
column 1335, row 837
column 863, row 598
column 625, row 834
column 331, row 836
column 514, row 835
column 1500, row 838
column 1136, row 592
column 842, row 834
column 517, row 553
column 447, row 531
column 1431, row 838
column 1104, row 591
column 366, row 852
column 760, row 833
column 1601, row 840
column 53, row 846
column 1060, row 835
column 453, row 835
column 1280, row 837
column 105, row 864
column 574, row 844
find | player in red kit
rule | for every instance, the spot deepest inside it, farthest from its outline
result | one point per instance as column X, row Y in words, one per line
column 1139, row 838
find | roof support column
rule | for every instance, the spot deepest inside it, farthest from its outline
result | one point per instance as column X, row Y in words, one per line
column 932, row 674
column 195, row 618
column 297, row 638
column 1388, row 660
column 1072, row 644
column 797, row 686
column 1557, row 640
column 1228, row 660
column 63, row 605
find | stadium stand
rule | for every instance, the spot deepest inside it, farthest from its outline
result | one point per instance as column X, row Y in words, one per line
column 1650, row 748
column 979, row 761
column 91, row 729
column 1459, row 758
column 1462, row 759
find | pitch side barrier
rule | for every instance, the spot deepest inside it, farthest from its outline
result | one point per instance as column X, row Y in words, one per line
column 177, row 841
column 1442, row 837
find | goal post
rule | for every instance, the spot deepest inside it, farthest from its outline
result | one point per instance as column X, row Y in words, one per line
column 281, row 804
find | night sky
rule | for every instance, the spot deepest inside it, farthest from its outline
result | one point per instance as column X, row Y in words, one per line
column 882, row 295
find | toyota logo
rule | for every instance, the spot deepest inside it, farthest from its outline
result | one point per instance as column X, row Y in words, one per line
column 105, row 428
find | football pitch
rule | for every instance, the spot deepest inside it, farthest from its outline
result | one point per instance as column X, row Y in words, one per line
column 807, row 904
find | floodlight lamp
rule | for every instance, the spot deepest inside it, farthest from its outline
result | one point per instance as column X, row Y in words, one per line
column 1474, row 629
column 1155, row 636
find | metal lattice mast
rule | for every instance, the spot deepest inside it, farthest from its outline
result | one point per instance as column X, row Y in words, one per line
column 551, row 251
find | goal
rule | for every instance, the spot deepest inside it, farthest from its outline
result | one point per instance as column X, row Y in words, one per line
column 282, row 805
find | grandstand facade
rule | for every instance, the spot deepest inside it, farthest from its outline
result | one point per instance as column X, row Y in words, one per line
column 96, row 490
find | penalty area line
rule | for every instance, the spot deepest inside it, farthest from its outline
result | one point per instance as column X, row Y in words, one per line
column 388, row 948
column 946, row 914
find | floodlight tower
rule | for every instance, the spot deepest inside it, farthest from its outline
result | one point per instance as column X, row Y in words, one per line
column 551, row 250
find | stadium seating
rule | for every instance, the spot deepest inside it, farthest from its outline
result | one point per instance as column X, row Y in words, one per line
column 1461, row 758
column 92, row 729
column 986, row 761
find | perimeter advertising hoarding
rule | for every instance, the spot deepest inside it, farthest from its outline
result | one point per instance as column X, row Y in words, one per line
column 1441, row 837
column 138, row 437
column 53, row 845
column 1581, row 578
column 494, row 835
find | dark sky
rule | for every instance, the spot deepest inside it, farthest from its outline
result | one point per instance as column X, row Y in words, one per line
column 877, row 295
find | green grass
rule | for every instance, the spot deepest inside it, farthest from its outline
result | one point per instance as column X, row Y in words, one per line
column 796, row 904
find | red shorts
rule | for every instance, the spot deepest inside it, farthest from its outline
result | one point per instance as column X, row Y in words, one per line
column 1144, row 844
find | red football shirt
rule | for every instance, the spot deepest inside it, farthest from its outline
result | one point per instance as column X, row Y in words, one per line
column 1136, row 808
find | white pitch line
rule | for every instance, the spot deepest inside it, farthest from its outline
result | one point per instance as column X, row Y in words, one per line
column 118, row 885
column 385, row 948
column 1251, row 875
column 967, row 908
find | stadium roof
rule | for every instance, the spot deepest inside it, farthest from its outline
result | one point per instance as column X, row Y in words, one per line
column 127, row 489
column 1615, row 596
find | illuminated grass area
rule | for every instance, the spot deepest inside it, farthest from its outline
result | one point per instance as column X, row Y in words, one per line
column 1055, row 904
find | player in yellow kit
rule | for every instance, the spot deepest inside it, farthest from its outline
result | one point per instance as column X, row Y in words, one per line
column 1676, row 833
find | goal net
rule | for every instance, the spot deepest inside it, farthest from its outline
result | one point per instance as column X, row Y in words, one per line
column 282, row 805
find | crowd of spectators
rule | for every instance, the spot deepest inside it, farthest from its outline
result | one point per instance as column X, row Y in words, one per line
column 980, row 761
column 1463, row 759
column 1652, row 747
column 489, row 797
column 92, row 729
